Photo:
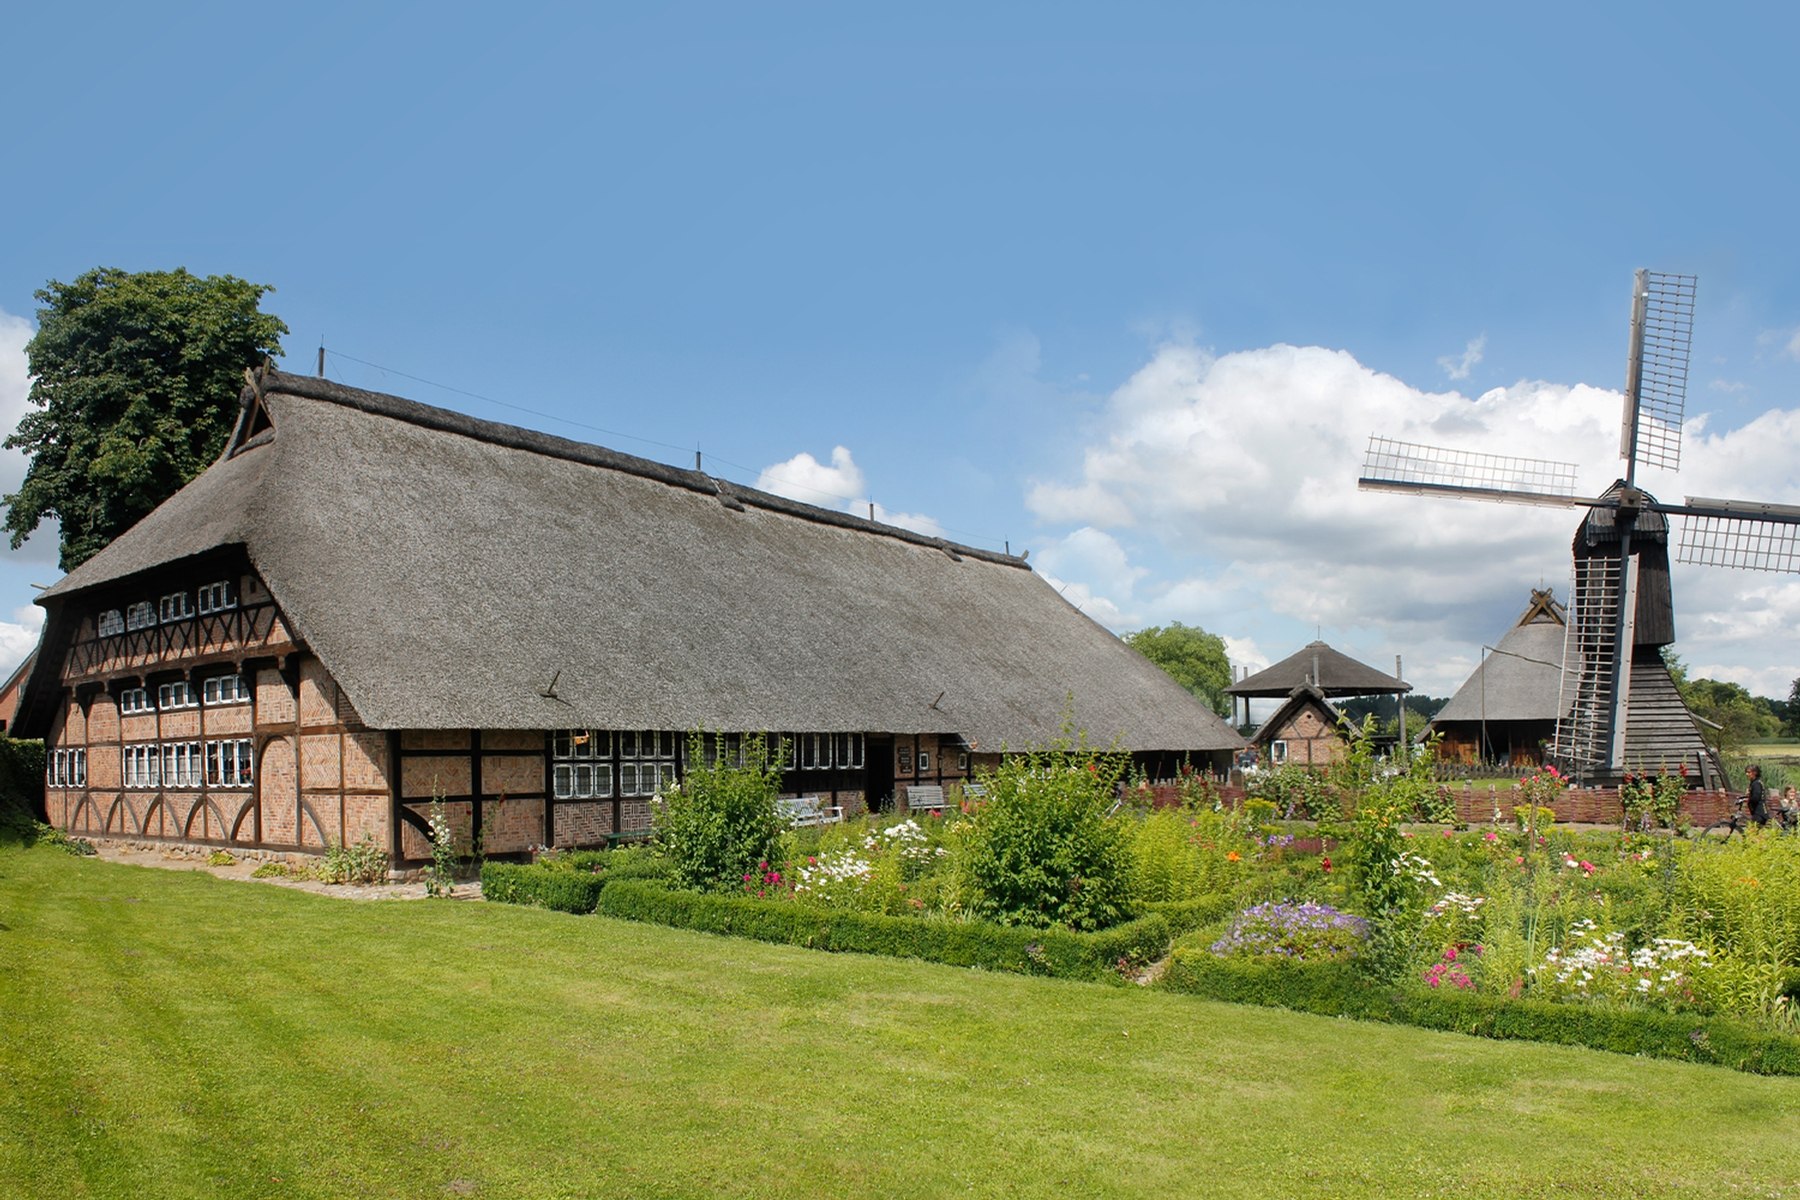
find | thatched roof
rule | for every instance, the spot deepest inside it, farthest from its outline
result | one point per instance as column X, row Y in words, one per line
column 1333, row 672
column 1521, row 679
column 446, row 570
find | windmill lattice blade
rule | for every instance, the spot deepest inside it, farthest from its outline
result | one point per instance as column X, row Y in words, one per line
column 1662, row 371
column 1588, row 656
column 1747, row 542
column 1392, row 465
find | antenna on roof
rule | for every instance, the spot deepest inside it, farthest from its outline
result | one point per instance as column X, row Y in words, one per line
column 697, row 458
column 321, row 358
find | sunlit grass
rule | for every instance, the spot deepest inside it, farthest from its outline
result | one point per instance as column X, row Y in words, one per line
column 170, row 1034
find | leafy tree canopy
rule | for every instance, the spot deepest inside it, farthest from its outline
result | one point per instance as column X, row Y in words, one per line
column 1192, row 657
column 136, row 376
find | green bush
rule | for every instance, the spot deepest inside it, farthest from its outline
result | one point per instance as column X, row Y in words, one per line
column 1041, row 850
column 21, row 788
column 364, row 862
column 722, row 821
column 541, row 886
column 1339, row 989
column 1057, row 952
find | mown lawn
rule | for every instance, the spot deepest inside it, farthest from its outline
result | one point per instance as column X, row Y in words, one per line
column 170, row 1034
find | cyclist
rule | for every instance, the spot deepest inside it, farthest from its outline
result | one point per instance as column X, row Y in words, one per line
column 1758, row 798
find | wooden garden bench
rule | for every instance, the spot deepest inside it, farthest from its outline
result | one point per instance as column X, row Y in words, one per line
column 802, row 811
column 921, row 796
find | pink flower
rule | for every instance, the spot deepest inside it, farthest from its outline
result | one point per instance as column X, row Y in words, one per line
column 1449, row 833
column 1491, row 836
column 1450, row 954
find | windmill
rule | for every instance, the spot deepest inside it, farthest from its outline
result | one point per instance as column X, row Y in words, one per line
column 1620, row 610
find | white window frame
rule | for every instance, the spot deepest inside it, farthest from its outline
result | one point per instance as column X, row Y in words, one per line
column 176, row 606
column 175, row 695
column 1278, row 752
column 181, row 765
column 111, row 623
column 143, row 766
column 135, row 700
column 217, row 597
column 811, row 744
column 141, row 615
column 220, row 690
column 230, row 763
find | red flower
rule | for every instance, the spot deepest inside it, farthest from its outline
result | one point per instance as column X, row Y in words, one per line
column 1325, row 864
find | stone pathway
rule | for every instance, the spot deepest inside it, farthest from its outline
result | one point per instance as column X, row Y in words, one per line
column 243, row 870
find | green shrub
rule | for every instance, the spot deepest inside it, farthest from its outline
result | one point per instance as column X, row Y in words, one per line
column 722, row 821
column 1339, row 989
column 364, row 862
column 1042, row 849
column 1057, row 952
column 541, row 886
column 21, row 788
column 49, row 835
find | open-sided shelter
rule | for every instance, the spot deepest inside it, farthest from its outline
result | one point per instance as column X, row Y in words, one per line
column 367, row 603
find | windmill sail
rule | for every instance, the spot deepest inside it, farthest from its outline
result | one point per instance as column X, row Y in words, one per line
column 1662, row 332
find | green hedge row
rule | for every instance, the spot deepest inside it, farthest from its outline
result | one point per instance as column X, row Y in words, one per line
column 1185, row 916
column 564, row 891
column 1056, row 952
column 1338, row 989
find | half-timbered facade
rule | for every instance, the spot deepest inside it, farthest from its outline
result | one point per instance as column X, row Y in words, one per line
column 368, row 603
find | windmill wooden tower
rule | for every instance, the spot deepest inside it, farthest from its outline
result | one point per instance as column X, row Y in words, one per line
column 1619, row 711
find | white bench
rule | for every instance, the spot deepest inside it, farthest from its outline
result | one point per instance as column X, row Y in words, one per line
column 800, row 811
column 920, row 797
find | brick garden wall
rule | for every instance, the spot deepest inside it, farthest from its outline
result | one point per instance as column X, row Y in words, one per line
column 1576, row 806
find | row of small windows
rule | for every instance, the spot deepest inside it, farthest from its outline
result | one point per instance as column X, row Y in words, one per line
column 67, row 768
column 225, row 763
column 583, row 767
column 176, row 606
column 589, row 780
column 219, row 690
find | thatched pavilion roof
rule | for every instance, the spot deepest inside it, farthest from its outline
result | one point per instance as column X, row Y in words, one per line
column 1332, row 672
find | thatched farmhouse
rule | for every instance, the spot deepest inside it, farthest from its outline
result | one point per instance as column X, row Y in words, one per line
column 1506, row 711
column 368, row 601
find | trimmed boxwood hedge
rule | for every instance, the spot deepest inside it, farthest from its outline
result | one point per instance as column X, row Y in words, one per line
column 1338, row 989
column 544, row 887
column 1056, row 952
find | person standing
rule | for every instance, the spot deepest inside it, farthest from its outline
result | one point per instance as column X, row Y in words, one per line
column 1758, row 796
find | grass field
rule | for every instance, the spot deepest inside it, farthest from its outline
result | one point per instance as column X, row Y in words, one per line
column 170, row 1034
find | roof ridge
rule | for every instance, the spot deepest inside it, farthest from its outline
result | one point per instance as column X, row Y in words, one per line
column 399, row 408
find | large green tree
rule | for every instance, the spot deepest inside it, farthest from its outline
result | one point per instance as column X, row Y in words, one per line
column 136, row 378
column 1193, row 658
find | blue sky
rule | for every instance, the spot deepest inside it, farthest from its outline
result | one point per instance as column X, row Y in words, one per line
column 1126, row 285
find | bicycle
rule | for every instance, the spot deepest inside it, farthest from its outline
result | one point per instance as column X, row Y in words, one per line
column 1785, row 820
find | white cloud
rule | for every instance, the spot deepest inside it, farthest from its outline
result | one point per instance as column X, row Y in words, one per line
column 19, row 636
column 15, row 391
column 840, row 486
column 1458, row 367
column 805, row 478
column 1236, row 476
